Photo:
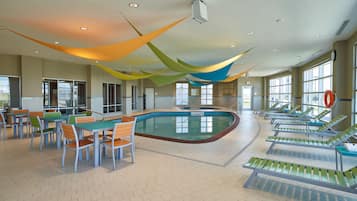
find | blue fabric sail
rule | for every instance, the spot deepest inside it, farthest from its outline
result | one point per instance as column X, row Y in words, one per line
column 214, row 76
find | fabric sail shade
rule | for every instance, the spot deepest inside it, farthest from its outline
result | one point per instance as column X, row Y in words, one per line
column 161, row 80
column 214, row 76
column 236, row 76
column 180, row 66
column 126, row 76
column 107, row 52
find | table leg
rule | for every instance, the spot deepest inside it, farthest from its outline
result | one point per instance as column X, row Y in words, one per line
column 341, row 165
column 58, row 134
column 96, row 148
column 336, row 159
column 20, row 128
column 15, row 126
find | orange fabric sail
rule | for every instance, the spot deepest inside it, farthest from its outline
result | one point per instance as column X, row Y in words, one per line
column 236, row 76
column 107, row 52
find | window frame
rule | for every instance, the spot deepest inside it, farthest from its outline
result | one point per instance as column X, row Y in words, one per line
column 207, row 94
column 354, row 91
column 317, row 83
column 280, row 93
column 117, row 105
column 179, row 93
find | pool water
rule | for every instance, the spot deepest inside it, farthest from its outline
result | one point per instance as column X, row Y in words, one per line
column 184, row 126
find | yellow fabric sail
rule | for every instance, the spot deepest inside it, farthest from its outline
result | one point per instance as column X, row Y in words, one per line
column 236, row 76
column 216, row 66
column 131, row 76
column 107, row 52
column 180, row 66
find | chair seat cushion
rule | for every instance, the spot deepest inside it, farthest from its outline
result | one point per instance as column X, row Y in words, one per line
column 81, row 143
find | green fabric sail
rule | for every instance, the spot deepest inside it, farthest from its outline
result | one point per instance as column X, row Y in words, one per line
column 161, row 80
column 183, row 67
column 126, row 76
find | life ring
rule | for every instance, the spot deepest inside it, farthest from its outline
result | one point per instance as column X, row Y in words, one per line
column 329, row 98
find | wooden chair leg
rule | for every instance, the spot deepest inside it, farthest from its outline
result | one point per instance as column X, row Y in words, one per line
column 63, row 154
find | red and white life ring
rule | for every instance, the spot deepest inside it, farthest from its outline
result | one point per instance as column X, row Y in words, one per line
column 329, row 98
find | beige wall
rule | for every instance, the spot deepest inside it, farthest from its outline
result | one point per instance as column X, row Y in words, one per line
column 10, row 65
column 64, row 70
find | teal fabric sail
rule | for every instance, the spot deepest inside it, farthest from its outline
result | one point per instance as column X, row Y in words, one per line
column 214, row 76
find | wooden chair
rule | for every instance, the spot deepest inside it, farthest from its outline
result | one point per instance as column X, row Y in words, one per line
column 36, row 114
column 123, row 136
column 84, row 119
column 38, row 127
column 71, row 140
column 25, row 121
column 3, row 134
column 109, row 133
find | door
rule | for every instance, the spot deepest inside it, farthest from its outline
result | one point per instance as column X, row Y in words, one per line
column 247, row 97
column 149, row 98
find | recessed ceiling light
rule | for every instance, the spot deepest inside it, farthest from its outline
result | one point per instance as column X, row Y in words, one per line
column 57, row 43
column 84, row 28
column 36, row 51
column 279, row 20
column 233, row 45
column 133, row 5
column 250, row 33
column 96, row 61
column 299, row 57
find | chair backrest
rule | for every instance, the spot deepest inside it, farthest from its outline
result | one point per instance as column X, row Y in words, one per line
column 332, row 123
column 2, row 118
column 283, row 107
column 36, row 122
column 35, row 114
column 51, row 110
column 322, row 114
column 127, row 119
column 72, row 118
column 342, row 136
column 293, row 110
column 54, row 115
column 84, row 119
column 307, row 111
column 20, row 111
column 124, row 129
column 274, row 106
column 69, row 132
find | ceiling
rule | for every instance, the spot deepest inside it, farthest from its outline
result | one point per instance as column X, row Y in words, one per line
column 283, row 33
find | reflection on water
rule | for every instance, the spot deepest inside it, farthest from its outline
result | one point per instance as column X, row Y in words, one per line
column 184, row 127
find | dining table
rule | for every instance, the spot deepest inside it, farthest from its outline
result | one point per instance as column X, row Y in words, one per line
column 95, row 128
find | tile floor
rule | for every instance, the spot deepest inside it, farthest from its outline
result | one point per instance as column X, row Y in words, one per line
column 164, row 171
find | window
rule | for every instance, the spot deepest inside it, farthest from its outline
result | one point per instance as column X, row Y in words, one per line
column 4, row 92
column 207, row 94
column 68, row 97
column 111, row 98
column 355, row 85
column 316, row 81
column 134, row 97
column 206, row 124
column 280, row 90
column 181, row 93
column 182, row 124
column 9, row 92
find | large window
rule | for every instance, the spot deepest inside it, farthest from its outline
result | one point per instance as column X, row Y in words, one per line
column 9, row 92
column 316, row 81
column 68, row 97
column 280, row 90
column 4, row 92
column 111, row 98
column 181, row 93
column 355, row 84
column 207, row 94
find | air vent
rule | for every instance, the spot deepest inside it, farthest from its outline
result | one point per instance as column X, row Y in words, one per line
column 342, row 27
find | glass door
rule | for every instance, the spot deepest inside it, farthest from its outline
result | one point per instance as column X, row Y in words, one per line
column 247, row 97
